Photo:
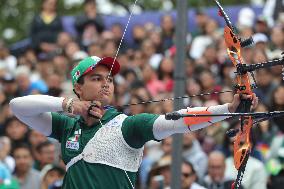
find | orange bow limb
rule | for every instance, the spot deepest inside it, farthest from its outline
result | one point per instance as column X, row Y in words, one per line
column 242, row 143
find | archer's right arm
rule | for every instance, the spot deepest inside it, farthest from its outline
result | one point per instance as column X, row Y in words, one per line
column 35, row 111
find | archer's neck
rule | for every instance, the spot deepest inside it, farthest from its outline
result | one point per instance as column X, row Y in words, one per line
column 91, row 121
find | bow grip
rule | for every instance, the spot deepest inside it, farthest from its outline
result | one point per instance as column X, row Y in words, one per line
column 244, row 105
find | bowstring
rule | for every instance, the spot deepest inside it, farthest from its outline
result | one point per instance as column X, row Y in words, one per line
column 115, row 57
column 175, row 98
column 121, row 40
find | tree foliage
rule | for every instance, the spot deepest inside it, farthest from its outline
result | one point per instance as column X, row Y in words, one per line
column 16, row 16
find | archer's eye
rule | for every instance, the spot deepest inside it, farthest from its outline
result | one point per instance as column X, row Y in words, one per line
column 96, row 78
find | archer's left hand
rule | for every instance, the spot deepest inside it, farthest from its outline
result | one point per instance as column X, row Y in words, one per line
column 236, row 101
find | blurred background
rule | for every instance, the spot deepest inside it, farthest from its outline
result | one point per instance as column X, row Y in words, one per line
column 41, row 41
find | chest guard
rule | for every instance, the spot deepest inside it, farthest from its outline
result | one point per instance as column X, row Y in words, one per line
column 108, row 147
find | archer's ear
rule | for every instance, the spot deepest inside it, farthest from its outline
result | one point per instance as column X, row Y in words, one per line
column 77, row 89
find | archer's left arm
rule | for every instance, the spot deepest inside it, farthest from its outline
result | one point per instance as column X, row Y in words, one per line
column 163, row 128
column 141, row 128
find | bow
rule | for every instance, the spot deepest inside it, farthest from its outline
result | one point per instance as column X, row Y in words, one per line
column 242, row 143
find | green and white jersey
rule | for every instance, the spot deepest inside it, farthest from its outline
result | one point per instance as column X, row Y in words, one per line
column 73, row 134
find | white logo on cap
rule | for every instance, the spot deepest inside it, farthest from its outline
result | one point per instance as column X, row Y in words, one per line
column 77, row 74
column 95, row 58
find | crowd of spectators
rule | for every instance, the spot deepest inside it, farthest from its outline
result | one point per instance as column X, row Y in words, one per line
column 28, row 159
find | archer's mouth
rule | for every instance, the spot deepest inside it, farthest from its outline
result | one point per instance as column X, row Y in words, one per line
column 107, row 93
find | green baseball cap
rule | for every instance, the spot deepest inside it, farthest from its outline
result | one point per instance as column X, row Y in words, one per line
column 88, row 64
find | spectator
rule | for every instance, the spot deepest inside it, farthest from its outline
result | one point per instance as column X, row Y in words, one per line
column 199, row 45
column 278, row 140
column 193, row 153
column 45, row 27
column 261, row 25
column 71, row 51
column 189, row 177
column 7, row 61
column 25, row 174
column 150, row 52
column 245, row 21
column 95, row 49
column 89, row 24
column 117, row 32
column 166, row 72
column 216, row 172
column 264, row 132
column 208, row 84
column 139, row 34
column 46, row 155
column 109, row 48
column 272, row 9
column 276, row 171
column 10, row 87
column 201, row 19
column 160, row 175
column 192, row 88
column 156, row 38
column 265, row 86
column 168, row 30
column 62, row 40
column 16, row 131
column 26, row 85
column 6, row 179
column 153, row 85
column 5, row 149
column 35, row 138
column 145, row 167
column 4, row 116
column 137, row 109
column 261, row 43
column 277, row 103
column 61, row 66
column 277, row 40
column 30, row 58
column 44, row 68
column 51, row 174
column 166, row 146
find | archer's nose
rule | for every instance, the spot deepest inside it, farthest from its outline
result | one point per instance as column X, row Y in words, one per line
column 105, row 84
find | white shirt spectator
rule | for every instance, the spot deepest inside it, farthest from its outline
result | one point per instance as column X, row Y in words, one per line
column 9, row 63
column 255, row 176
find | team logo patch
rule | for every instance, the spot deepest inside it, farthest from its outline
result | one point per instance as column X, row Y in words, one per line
column 77, row 74
column 73, row 142
column 72, row 145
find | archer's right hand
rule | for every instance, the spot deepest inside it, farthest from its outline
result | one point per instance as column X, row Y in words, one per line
column 84, row 108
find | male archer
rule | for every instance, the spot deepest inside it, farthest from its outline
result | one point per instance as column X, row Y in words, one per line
column 101, row 147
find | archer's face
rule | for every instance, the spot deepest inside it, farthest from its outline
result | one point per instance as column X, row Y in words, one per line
column 97, row 86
